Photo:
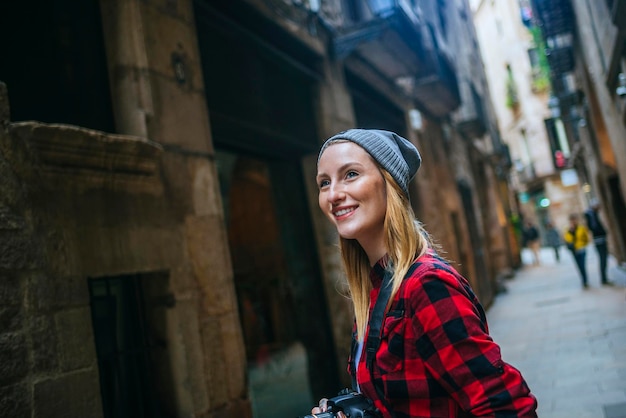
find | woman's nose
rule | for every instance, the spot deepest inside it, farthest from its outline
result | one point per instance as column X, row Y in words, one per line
column 335, row 193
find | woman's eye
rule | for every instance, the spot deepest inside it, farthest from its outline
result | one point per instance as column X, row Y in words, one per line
column 323, row 183
column 351, row 174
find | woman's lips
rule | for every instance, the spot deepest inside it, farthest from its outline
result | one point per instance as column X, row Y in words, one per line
column 343, row 211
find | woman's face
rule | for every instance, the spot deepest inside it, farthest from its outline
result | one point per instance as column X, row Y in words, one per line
column 352, row 193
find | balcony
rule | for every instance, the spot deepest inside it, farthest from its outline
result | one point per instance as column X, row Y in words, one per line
column 561, row 59
column 471, row 120
column 383, row 24
column 391, row 38
column 555, row 16
column 570, row 99
column 436, row 87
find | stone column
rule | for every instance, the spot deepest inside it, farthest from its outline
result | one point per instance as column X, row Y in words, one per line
column 128, row 65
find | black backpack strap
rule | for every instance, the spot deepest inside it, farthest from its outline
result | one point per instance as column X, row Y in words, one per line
column 375, row 326
column 353, row 366
column 374, row 334
column 376, row 320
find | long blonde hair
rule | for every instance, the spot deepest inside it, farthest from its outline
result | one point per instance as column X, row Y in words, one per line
column 405, row 240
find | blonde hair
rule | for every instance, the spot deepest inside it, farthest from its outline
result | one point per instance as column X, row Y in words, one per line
column 405, row 240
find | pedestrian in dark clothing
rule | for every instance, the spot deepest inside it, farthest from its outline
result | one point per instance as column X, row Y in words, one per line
column 553, row 239
column 429, row 353
column 577, row 238
column 532, row 241
column 599, row 238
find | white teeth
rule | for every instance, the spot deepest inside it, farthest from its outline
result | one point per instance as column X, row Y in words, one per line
column 343, row 212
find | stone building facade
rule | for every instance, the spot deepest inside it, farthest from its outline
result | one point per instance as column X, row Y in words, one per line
column 586, row 43
column 162, row 252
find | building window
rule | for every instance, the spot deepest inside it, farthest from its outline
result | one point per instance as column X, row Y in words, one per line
column 539, row 72
column 512, row 99
column 533, row 56
column 127, row 360
column 559, row 144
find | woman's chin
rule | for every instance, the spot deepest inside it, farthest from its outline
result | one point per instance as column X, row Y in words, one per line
column 346, row 235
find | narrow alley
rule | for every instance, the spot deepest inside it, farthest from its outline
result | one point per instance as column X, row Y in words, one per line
column 569, row 343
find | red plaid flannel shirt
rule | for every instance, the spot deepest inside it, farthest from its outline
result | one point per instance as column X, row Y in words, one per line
column 436, row 358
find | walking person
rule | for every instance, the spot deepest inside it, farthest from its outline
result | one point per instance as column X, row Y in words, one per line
column 577, row 237
column 598, row 231
column 553, row 239
column 532, row 240
column 433, row 355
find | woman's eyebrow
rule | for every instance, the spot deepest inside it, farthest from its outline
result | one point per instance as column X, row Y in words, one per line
column 342, row 167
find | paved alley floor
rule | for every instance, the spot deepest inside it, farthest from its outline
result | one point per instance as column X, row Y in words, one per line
column 568, row 342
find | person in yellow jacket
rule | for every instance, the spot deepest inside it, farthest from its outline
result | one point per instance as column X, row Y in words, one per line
column 576, row 238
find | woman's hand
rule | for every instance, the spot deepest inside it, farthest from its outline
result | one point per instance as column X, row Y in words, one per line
column 323, row 407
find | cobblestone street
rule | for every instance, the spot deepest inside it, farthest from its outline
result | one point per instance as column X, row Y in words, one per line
column 569, row 342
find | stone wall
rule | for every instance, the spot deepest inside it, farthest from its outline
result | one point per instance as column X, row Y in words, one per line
column 77, row 205
column 47, row 360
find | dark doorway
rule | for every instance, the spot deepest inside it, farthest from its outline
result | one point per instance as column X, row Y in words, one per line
column 278, row 284
column 129, row 331
column 481, row 282
column 619, row 209
column 261, row 105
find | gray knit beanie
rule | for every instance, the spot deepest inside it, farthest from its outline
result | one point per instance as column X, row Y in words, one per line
column 395, row 154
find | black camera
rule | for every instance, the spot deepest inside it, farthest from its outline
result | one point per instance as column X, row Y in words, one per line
column 352, row 404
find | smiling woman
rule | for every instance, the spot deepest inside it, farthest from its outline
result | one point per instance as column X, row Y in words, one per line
column 433, row 355
column 352, row 196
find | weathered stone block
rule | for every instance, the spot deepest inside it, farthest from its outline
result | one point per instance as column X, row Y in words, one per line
column 234, row 355
column 10, row 221
column 187, row 359
column 210, row 257
column 206, row 191
column 14, row 401
column 215, row 369
column 51, row 292
column 185, row 125
column 10, row 289
column 178, row 184
column 76, row 395
column 11, row 317
column 167, row 35
column 13, row 357
column 118, row 250
column 17, row 252
column 76, row 346
column 45, row 347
